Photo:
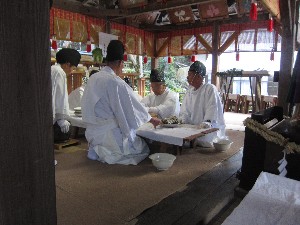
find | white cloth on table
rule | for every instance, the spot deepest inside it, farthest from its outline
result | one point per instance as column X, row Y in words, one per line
column 60, row 104
column 174, row 136
column 273, row 200
column 75, row 97
column 201, row 105
column 112, row 114
column 165, row 105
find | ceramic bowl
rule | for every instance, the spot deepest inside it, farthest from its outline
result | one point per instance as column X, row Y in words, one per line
column 162, row 161
column 222, row 145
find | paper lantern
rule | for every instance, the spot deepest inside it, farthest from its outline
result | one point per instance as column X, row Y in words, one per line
column 125, row 57
column 170, row 59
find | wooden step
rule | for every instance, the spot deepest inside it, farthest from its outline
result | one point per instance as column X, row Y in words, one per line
column 59, row 146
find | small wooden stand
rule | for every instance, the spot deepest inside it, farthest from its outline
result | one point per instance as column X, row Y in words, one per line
column 70, row 142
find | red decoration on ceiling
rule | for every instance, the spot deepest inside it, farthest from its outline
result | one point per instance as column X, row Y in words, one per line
column 145, row 59
column 54, row 43
column 193, row 58
column 253, row 11
column 270, row 24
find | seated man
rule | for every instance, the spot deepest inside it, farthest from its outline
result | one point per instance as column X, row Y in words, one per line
column 161, row 102
column 67, row 60
column 202, row 105
column 76, row 95
column 113, row 114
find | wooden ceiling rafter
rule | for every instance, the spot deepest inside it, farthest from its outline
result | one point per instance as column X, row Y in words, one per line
column 229, row 41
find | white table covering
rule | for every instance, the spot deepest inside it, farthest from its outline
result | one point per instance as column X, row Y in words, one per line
column 273, row 200
column 173, row 136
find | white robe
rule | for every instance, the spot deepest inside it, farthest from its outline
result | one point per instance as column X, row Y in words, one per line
column 201, row 105
column 113, row 114
column 60, row 104
column 167, row 103
column 75, row 97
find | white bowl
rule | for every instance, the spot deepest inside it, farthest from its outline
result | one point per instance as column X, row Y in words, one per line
column 162, row 161
column 222, row 145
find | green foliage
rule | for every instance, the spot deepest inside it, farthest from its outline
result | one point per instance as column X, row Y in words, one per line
column 231, row 72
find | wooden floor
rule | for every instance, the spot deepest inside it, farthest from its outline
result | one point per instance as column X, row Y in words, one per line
column 206, row 200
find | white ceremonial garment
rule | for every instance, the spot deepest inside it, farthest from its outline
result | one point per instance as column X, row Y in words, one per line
column 167, row 104
column 75, row 97
column 201, row 105
column 113, row 114
column 60, row 104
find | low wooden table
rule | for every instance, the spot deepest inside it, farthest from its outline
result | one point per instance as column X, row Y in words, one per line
column 175, row 137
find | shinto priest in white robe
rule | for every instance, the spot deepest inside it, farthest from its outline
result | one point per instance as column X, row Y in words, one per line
column 201, row 105
column 60, row 104
column 113, row 114
column 167, row 104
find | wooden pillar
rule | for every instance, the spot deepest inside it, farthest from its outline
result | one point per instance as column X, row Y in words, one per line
column 215, row 51
column 287, row 51
column 27, row 186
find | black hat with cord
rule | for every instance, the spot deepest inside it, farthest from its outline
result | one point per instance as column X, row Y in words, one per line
column 68, row 55
column 156, row 76
column 199, row 68
column 115, row 51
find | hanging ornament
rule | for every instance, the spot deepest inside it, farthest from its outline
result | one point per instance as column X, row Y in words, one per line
column 272, row 55
column 193, row 58
column 88, row 45
column 125, row 57
column 237, row 56
column 145, row 58
column 270, row 24
column 170, row 59
column 253, row 11
column 54, row 42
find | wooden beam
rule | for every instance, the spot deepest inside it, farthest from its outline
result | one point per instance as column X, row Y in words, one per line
column 77, row 7
column 273, row 7
column 204, row 43
column 163, row 47
column 228, row 42
column 154, row 6
column 287, row 53
column 215, row 50
column 28, row 192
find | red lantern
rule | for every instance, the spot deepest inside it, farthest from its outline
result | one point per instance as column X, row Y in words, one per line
column 145, row 59
column 270, row 24
column 170, row 59
column 193, row 59
column 54, row 43
column 237, row 56
column 253, row 11
column 88, row 45
column 125, row 56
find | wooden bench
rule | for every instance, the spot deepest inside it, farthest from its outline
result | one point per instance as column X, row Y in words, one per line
column 233, row 103
column 268, row 101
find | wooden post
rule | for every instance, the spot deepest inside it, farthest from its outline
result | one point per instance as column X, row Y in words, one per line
column 287, row 52
column 27, row 172
column 215, row 52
